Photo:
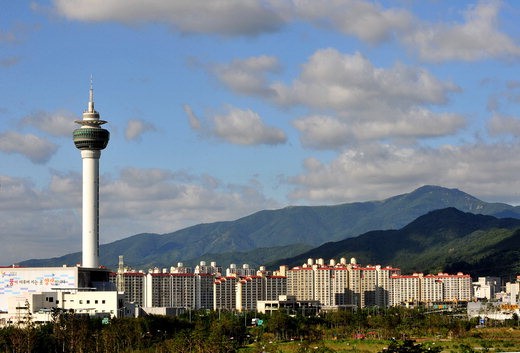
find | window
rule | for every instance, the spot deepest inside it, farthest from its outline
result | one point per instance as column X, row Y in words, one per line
column 88, row 301
column 95, row 301
column 103, row 301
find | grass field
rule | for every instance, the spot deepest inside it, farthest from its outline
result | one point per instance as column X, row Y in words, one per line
column 477, row 340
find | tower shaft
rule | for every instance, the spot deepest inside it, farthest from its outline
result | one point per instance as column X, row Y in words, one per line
column 90, row 233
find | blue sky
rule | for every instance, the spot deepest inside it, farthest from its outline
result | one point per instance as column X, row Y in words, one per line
column 218, row 109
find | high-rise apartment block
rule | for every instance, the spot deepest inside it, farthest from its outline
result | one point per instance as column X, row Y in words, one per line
column 338, row 285
column 430, row 289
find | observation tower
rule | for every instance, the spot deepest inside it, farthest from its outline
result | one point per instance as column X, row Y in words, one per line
column 90, row 139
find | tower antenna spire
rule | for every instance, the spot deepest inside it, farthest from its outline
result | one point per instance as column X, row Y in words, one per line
column 91, row 96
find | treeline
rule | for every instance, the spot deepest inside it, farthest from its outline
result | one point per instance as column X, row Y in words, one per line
column 224, row 332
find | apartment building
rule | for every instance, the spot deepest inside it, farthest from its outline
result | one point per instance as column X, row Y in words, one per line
column 174, row 290
column 134, row 284
column 300, row 283
column 430, row 289
column 249, row 290
column 224, row 293
column 405, row 290
column 336, row 285
column 275, row 286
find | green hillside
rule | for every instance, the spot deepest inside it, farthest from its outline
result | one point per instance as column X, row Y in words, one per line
column 446, row 240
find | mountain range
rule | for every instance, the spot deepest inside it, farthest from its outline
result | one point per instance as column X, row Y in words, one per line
column 267, row 236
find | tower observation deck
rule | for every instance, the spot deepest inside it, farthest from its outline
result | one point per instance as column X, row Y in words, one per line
column 90, row 139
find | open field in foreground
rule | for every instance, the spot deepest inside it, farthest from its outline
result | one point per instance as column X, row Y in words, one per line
column 477, row 340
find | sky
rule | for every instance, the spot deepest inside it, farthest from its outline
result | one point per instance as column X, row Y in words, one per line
column 218, row 109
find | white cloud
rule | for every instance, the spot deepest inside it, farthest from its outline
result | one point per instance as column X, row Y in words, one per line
column 248, row 76
column 36, row 149
column 136, row 128
column 504, row 125
column 356, row 101
column 365, row 20
column 375, row 171
column 162, row 201
column 60, row 123
column 21, row 194
column 477, row 38
column 39, row 223
column 332, row 80
column 245, row 127
column 324, row 132
column 237, row 126
column 225, row 17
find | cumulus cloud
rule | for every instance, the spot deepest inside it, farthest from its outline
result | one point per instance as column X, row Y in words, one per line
column 364, row 102
column 135, row 128
column 60, row 123
column 225, row 17
column 477, row 38
column 35, row 220
column 164, row 200
column 245, row 127
column 35, row 148
column 248, row 76
column 504, row 125
column 238, row 126
column 379, row 171
column 365, row 20
column 324, row 132
column 339, row 81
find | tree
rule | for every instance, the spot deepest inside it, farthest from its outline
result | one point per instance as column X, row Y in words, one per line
column 282, row 325
column 409, row 346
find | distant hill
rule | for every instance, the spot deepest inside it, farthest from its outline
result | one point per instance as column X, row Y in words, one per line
column 446, row 240
column 271, row 232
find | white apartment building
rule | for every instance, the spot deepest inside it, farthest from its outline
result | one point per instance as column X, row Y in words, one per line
column 335, row 285
column 405, row 290
column 275, row 286
column 429, row 289
column 224, row 293
column 249, row 290
column 300, row 283
column 342, row 295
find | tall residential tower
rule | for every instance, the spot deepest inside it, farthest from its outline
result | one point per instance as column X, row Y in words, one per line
column 90, row 138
